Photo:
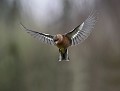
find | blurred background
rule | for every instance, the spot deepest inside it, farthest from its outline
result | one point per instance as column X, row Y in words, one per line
column 29, row 65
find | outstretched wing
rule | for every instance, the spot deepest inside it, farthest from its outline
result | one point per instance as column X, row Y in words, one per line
column 82, row 31
column 46, row 38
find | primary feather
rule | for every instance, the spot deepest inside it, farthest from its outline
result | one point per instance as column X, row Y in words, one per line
column 46, row 38
column 82, row 31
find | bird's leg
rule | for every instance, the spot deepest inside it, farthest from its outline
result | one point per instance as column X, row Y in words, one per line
column 63, row 54
column 67, row 56
column 60, row 55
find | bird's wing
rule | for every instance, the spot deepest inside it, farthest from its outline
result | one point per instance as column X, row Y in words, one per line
column 82, row 31
column 46, row 38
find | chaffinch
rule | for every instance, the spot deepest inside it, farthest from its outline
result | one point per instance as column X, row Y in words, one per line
column 63, row 41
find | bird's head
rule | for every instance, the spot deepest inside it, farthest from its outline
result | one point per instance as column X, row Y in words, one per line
column 58, row 38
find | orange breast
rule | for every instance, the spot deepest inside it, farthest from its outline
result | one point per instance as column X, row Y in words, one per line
column 65, row 43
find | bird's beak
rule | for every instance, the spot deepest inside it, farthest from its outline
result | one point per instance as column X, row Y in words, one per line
column 55, row 39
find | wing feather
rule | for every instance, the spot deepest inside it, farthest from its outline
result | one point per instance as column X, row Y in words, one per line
column 81, row 32
column 46, row 38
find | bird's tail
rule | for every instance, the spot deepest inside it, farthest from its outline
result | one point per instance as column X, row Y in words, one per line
column 63, row 55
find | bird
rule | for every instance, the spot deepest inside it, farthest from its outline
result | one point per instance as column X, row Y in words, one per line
column 71, row 38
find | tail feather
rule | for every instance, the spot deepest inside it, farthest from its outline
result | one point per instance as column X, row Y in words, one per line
column 63, row 55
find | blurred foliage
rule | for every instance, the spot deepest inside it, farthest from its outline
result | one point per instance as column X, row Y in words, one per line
column 27, row 65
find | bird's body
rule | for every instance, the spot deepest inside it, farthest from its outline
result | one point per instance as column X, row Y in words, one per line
column 63, row 41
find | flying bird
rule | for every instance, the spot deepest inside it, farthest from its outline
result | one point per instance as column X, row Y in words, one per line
column 63, row 41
